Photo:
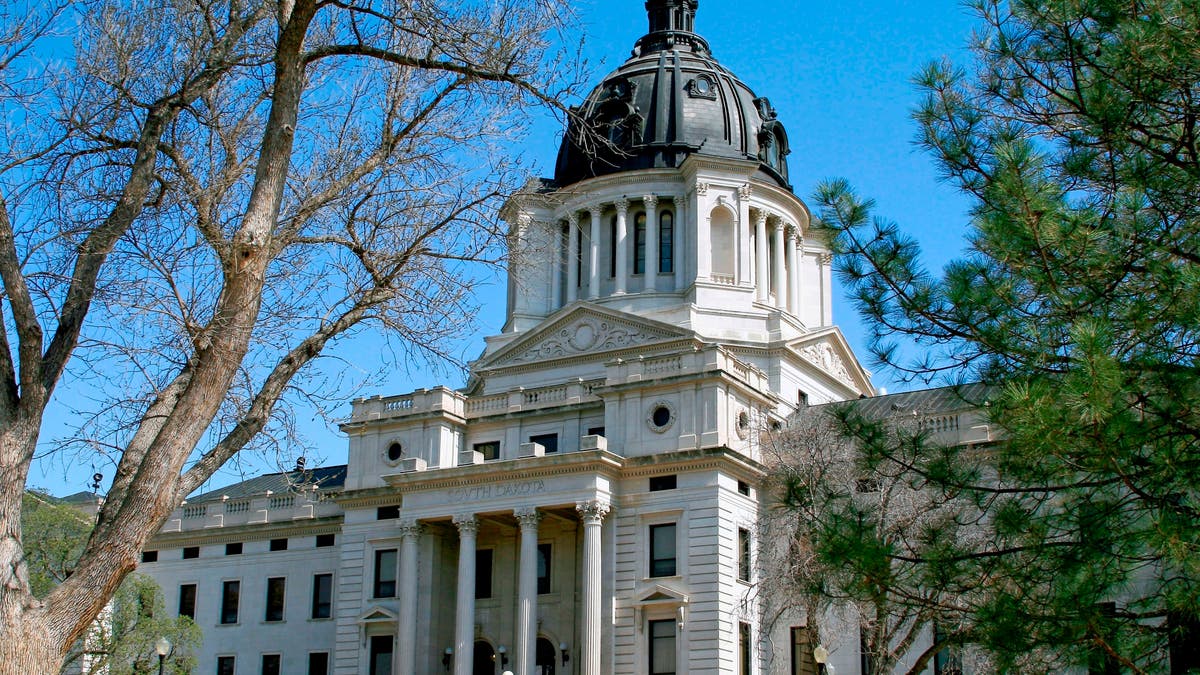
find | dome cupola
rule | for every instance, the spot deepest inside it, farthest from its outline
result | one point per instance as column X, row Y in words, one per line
column 669, row 100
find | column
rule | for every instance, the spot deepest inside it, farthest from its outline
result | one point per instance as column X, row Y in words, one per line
column 761, row 280
column 826, row 289
column 800, row 275
column 464, row 617
column 406, row 634
column 679, row 241
column 573, row 257
column 651, row 278
column 793, row 268
column 594, row 256
column 592, row 513
column 527, row 591
column 777, row 265
column 622, row 268
column 556, row 264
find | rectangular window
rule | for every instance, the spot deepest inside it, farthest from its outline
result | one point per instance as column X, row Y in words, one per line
column 324, row 540
column 385, row 573
column 662, row 647
column 234, row 548
column 276, row 589
column 489, row 450
column 803, row 662
column 662, row 483
column 947, row 660
column 595, row 431
column 149, row 556
column 612, row 247
column 279, row 544
column 662, row 550
column 187, row 601
column 322, row 596
column 744, row 650
column 543, row 568
column 743, row 488
column 230, row 590
column 225, row 665
column 639, row 244
column 483, row 573
column 318, row 663
column 381, row 655
column 191, row 552
column 389, row 512
column 666, row 243
column 270, row 664
column 547, row 441
column 743, row 554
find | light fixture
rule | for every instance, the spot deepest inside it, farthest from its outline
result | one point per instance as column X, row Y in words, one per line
column 503, row 655
column 821, row 656
column 447, row 657
column 566, row 653
column 162, row 647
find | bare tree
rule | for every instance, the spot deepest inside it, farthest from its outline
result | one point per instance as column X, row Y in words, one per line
column 201, row 198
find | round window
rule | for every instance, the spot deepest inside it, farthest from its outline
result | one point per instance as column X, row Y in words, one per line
column 394, row 452
column 660, row 417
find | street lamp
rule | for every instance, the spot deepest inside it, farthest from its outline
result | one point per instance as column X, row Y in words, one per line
column 821, row 656
column 162, row 647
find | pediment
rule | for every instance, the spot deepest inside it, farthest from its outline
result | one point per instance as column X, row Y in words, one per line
column 579, row 329
column 661, row 594
column 377, row 615
column 828, row 352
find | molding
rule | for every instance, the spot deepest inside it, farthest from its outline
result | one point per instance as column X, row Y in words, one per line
column 247, row 532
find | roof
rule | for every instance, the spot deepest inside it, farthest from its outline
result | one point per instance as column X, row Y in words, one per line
column 671, row 99
column 924, row 401
column 327, row 479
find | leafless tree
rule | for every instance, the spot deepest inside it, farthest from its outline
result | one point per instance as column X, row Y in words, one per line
column 198, row 198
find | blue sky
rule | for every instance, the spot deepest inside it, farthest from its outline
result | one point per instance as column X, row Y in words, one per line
column 839, row 75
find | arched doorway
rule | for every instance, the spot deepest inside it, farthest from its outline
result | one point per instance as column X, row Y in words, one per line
column 484, row 660
column 546, row 656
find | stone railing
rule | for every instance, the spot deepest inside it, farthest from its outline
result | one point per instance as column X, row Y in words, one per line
column 438, row 399
column 521, row 398
column 266, row 508
column 723, row 279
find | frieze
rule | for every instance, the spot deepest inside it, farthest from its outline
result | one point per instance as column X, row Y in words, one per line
column 584, row 336
column 478, row 493
column 824, row 357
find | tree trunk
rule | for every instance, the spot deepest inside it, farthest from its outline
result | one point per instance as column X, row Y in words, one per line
column 27, row 645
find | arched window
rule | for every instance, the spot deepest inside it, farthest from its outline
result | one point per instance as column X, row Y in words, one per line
column 639, row 243
column 484, row 659
column 723, row 244
column 666, row 242
column 546, row 657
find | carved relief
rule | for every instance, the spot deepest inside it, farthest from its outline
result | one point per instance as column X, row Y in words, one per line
column 745, row 191
column 702, row 189
column 588, row 334
column 824, row 357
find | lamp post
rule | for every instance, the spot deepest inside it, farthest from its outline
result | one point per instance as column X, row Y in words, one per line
column 821, row 656
column 162, row 647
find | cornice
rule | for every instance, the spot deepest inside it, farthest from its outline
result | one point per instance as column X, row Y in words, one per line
column 246, row 532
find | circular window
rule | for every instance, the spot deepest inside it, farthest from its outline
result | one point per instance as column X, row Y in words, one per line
column 394, row 452
column 660, row 416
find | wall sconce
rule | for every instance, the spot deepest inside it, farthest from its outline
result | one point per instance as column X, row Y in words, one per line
column 447, row 657
column 503, row 655
column 821, row 656
column 566, row 653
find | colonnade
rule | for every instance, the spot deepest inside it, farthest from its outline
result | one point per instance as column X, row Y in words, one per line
column 591, row 513
column 777, row 262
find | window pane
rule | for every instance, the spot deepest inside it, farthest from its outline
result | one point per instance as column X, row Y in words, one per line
column 483, row 573
column 662, row 550
column 385, row 573
column 543, row 569
column 744, row 555
column 381, row 655
column 187, row 600
column 275, row 593
column 318, row 663
column 662, row 647
column 639, row 244
column 230, row 591
column 322, row 603
column 225, row 665
column 270, row 664
column 666, row 243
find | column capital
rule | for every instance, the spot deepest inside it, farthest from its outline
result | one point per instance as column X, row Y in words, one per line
column 826, row 258
column 651, row 201
column 593, row 511
column 745, row 191
column 466, row 524
column 760, row 217
column 793, row 232
column 410, row 529
column 595, row 210
column 573, row 218
column 678, row 200
column 622, row 206
column 528, row 517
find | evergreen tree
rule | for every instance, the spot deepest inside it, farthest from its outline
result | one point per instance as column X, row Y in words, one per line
column 1075, row 134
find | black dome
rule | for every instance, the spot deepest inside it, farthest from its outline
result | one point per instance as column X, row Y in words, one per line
column 669, row 100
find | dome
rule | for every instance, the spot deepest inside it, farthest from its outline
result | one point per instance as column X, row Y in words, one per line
column 671, row 99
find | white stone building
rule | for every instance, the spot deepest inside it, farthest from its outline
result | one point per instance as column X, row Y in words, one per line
column 588, row 502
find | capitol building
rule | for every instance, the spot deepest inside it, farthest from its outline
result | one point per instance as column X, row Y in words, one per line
column 588, row 503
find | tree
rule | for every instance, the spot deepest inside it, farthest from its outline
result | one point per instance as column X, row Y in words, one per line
column 198, row 199
column 55, row 536
column 1075, row 136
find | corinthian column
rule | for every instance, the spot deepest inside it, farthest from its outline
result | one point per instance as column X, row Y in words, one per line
column 592, row 513
column 761, row 280
column 793, row 269
column 572, row 257
column 594, row 256
column 619, row 248
column 410, row 532
column 777, row 263
column 527, row 591
column 651, row 272
column 464, row 617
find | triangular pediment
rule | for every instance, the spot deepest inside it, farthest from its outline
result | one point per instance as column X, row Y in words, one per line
column 377, row 615
column 581, row 329
column 661, row 594
column 828, row 352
